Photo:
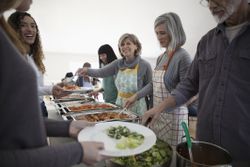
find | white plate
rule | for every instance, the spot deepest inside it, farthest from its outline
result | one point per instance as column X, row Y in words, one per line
column 98, row 133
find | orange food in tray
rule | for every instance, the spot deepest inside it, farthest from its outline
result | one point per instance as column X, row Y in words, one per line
column 71, row 87
column 102, row 116
column 90, row 107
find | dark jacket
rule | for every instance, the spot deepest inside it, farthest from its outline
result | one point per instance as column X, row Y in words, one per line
column 23, row 131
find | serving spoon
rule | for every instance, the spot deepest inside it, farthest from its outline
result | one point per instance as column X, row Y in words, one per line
column 123, row 110
column 189, row 143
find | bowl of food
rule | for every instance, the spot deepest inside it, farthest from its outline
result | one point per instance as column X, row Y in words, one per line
column 204, row 154
column 159, row 155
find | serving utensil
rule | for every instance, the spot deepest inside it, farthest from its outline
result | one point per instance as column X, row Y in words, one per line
column 123, row 110
column 148, row 121
column 189, row 143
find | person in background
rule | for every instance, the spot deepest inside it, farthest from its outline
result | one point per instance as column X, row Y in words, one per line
column 95, row 82
column 68, row 79
column 84, row 81
column 107, row 55
column 24, row 24
column 220, row 73
column 171, row 67
column 131, row 72
column 23, row 130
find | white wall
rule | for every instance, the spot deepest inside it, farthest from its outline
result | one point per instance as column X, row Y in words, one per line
column 73, row 30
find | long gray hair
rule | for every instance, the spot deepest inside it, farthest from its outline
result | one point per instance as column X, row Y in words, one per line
column 173, row 27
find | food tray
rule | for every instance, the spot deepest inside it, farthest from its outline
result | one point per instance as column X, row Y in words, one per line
column 73, row 103
column 103, row 116
column 77, row 89
column 74, row 97
column 90, row 106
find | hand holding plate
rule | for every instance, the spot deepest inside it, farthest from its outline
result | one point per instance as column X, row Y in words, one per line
column 76, row 126
column 91, row 153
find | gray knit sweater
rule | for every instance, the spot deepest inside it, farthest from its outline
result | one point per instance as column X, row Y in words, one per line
column 144, row 76
column 175, row 73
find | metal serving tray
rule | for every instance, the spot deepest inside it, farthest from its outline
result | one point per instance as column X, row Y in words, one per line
column 73, row 103
column 103, row 116
column 72, row 108
column 62, row 107
column 74, row 97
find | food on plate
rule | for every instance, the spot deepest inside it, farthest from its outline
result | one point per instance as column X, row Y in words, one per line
column 127, row 138
column 90, row 107
column 104, row 116
column 159, row 154
column 71, row 87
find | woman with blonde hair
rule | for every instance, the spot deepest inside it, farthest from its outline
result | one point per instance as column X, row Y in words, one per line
column 131, row 72
column 26, row 28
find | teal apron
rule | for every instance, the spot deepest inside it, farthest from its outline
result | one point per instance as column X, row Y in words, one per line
column 126, row 84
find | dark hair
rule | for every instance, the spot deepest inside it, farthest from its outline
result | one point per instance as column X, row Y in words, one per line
column 87, row 64
column 35, row 49
column 108, row 50
column 69, row 74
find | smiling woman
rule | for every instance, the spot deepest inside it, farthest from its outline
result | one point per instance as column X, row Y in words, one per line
column 26, row 28
column 131, row 72
column 19, row 146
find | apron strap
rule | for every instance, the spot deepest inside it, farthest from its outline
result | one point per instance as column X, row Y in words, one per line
column 125, row 94
column 170, row 54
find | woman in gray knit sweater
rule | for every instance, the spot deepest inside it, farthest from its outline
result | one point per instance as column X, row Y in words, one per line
column 170, row 69
column 131, row 72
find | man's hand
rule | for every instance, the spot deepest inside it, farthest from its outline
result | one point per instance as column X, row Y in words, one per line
column 76, row 126
column 91, row 153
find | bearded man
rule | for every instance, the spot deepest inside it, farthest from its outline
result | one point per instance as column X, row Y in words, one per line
column 220, row 72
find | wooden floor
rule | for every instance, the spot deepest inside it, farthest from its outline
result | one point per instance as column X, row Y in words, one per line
column 192, row 126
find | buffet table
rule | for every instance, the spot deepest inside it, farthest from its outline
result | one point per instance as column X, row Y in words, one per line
column 64, row 111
